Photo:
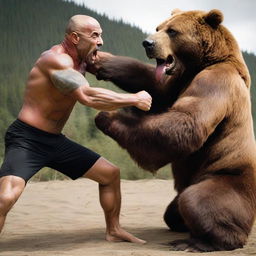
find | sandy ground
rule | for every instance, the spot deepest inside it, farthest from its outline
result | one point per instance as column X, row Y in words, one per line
column 65, row 218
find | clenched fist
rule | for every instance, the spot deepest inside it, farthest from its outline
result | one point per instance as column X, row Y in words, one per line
column 144, row 101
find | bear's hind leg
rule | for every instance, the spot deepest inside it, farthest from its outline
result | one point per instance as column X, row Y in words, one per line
column 173, row 218
column 219, row 218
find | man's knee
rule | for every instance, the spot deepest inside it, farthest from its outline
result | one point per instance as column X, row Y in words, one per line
column 7, row 200
column 112, row 174
column 103, row 172
column 10, row 190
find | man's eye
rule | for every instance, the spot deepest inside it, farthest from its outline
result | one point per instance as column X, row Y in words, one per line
column 172, row 32
column 95, row 35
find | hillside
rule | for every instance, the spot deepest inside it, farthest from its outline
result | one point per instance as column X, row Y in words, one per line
column 32, row 26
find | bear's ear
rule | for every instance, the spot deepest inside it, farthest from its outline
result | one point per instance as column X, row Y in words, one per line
column 175, row 11
column 214, row 18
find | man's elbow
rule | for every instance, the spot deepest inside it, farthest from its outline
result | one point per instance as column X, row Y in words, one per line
column 86, row 101
column 79, row 96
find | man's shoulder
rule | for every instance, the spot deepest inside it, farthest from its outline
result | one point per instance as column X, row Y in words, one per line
column 55, row 58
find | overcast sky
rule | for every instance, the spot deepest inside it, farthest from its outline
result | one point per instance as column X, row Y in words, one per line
column 239, row 15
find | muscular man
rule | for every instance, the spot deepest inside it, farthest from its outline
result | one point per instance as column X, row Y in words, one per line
column 34, row 140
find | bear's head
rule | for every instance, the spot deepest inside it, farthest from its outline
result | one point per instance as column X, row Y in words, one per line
column 190, row 41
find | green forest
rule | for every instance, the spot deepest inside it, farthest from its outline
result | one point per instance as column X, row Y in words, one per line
column 30, row 27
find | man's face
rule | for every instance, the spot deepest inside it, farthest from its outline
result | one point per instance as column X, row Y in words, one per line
column 89, row 42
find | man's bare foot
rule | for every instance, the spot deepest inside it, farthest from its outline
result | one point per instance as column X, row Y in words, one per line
column 120, row 235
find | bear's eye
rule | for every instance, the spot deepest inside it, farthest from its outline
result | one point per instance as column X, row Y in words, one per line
column 172, row 32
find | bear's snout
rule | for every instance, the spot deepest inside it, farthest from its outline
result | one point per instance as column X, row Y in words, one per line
column 149, row 44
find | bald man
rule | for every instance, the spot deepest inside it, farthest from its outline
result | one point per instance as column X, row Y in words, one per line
column 34, row 140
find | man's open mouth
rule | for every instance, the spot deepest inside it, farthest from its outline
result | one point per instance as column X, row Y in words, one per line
column 164, row 67
column 94, row 55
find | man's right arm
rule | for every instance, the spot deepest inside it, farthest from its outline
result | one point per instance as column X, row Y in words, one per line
column 104, row 99
column 67, row 80
column 70, row 82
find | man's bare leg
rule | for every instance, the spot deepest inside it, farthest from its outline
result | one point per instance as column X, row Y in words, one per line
column 108, row 177
column 11, row 188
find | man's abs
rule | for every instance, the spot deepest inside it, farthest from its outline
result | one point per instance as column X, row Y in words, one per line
column 52, row 122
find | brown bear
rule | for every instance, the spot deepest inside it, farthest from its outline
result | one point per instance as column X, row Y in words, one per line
column 200, row 122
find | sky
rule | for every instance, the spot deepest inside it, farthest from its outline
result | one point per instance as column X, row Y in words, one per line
column 239, row 15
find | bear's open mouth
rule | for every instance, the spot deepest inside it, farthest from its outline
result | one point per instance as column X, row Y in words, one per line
column 164, row 66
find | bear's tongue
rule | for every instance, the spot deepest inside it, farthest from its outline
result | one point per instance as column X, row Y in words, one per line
column 160, row 71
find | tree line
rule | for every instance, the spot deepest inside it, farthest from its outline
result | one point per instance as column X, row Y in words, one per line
column 30, row 27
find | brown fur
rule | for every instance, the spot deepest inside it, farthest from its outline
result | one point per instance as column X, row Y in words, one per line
column 200, row 122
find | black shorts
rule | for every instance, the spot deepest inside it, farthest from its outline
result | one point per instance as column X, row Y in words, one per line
column 28, row 149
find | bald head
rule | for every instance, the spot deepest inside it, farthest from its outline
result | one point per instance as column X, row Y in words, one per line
column 79, row 23
column 83, row 37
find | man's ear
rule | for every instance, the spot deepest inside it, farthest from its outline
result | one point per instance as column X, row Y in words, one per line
column 74, row 37
column 214, row 18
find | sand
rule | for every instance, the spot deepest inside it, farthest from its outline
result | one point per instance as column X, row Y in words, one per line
column 65, row 218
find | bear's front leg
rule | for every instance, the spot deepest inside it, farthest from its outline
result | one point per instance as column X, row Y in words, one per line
column 103, row 121
column 100, row 66
column 112, row 124
column 127, row 73
column 133, row 133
